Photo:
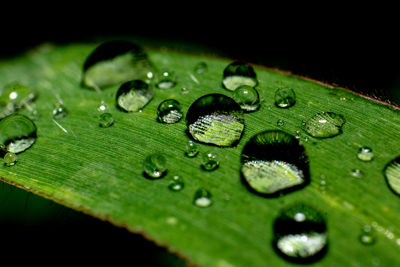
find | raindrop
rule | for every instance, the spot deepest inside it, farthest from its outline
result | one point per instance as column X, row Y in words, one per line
column 177, row 184
column 155, row 166
column 392, row 175
column 114, row 63
column 280, row 122
column 237, row 74
column 15, row 96
column 134, row 95
column 184, row 91
column 285, row 98
column 274, row 162
column 365, row 154
column 247, row 97
column 17, row 133
column 367, row 237
column 324, row 125
column 201, row 68
column 357, row 173
column 202, row 198
column 59, row 111
column 10, row 159
column 210, row 161
column 191, row 149
column 169, row 111
column 106, row 120
column 300, row 234
column 215, row 119
column 166, row 80
column 102, row 107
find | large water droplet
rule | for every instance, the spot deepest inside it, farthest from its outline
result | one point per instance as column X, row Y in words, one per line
column 106, row 120
column 155, row 166
column 17, row 133
column 191, row 149
column 210, row 161
column 10, row 159
column 300, row 234
column 215, row 119
column 169, row 111
column 114, row 63
column 166, row 80
column 324, row 125
column 133, row 95
column 274, row 162
column 202, row 198
column 365, row 154
column 285, row 98
column 237, row 74
column 392, row 175
column 247, row 97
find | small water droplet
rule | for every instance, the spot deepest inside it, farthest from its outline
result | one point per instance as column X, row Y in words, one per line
column 202, row 198
column 357, row 173
column 300, row 234
column 102, row 107
column 298, row 135
column 10, row 159
column 59, row 111
column 177, row 184
column 106, row 120
column 191, row 149
column 169, row 111
column 15, row 96
column 155, row 166
column 237, row 74
column 210, row 161
column 134, row 95
column 285, row 98
column 247, row 97
column 201, row 67
column 274, row 162
column 367, row 237
column 215, row 119
column 392, row 175
column 324, row 125
column 280, row 122
column 184, row 91
column 166, row 80
column 17, row 133
column 115, row 62
column 365, row 154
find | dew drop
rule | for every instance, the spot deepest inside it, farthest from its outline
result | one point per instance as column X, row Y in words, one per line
column 285, row 98
column 274, row 162
column 115, row 62
column 357, row 173
column 324, row 125
column 392, row 175
column 184, row 91
column 202, row 198
column 15, row 96
column 17, row 133
column 177, row 184
column 280, row 122
column 102, row 107
column 365, row 154
column 210, row 161
column 191, row 149
column 201, row 68
column 166, row 80
column 247, row 97
column 10, row 159
column 106, row 120
column 134, row 95
column 237, row 74
column 367, row 237
column 215, row 119
column 59, row 111
column 300, row 234
column 169, row 111
column 155, row 166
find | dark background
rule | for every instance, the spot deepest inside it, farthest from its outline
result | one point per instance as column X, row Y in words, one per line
column 361, row 55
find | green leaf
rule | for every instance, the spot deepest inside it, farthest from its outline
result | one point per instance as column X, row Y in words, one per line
column 99, row 170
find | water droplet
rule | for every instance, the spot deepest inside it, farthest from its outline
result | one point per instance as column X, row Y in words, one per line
column 155, row 166
column 191, row 149
column 10, row 159
column 324, row 125
column 247, row 97
column 114, row 63
column 106, row 120
column 237, row 74
column 298, row 135
column 102, row 107
column 365, row 154
column 15, row 96
column 392, row 175
column 177, row 184
column 169, row 111
column 59, row 111
column 215, row 119
column 210, row 161
column 274, row 162
column 184, row 91
column 285, row 98
column 300, row 234
column 201, row 68
column 280, row 122
column 166, row 80
column 134, row 95
column 367, row 238
column 17, row 133
column 357, row 173
column 202, row 198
